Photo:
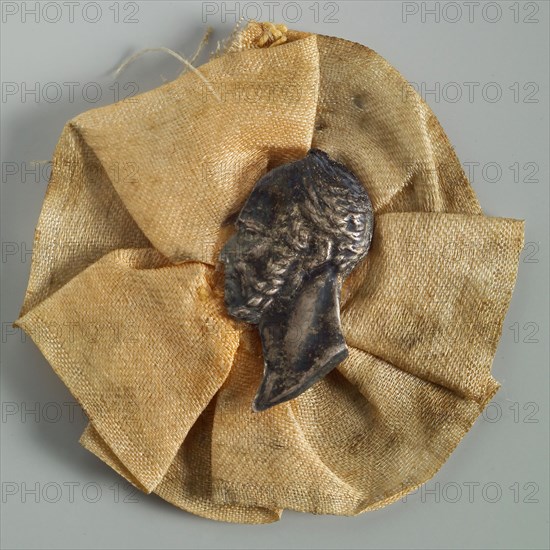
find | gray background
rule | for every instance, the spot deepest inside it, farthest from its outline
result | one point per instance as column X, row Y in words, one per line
column 493, row 491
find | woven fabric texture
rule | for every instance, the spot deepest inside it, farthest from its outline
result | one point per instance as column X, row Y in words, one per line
column 125, row 298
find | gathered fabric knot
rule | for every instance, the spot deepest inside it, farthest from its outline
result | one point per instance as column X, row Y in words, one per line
column 272, row 35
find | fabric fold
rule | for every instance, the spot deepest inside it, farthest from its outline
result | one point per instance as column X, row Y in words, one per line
column 193, row 149
column 313, row 453
column 432, row 295
column 82, row 219
column 371, row 119
column 265, row 459
column 187, row 483
column 143, row 347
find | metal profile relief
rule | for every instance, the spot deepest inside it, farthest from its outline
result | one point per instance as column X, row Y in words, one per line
column 302, row 230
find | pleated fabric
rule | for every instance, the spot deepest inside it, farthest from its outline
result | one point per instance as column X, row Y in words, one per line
column 125, row 297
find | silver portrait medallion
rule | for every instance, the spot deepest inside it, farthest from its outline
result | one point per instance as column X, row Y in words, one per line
column 302, row 230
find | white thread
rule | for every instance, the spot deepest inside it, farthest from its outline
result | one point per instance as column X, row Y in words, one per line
column 176, row 55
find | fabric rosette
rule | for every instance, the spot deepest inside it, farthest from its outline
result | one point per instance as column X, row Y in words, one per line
column 125, row 298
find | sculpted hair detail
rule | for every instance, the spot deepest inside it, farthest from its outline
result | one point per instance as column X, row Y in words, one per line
column 327, row 220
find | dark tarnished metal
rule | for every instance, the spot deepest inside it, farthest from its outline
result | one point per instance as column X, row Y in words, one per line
column 302, row 230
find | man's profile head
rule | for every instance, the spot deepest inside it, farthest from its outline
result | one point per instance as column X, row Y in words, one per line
column 303, row 221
